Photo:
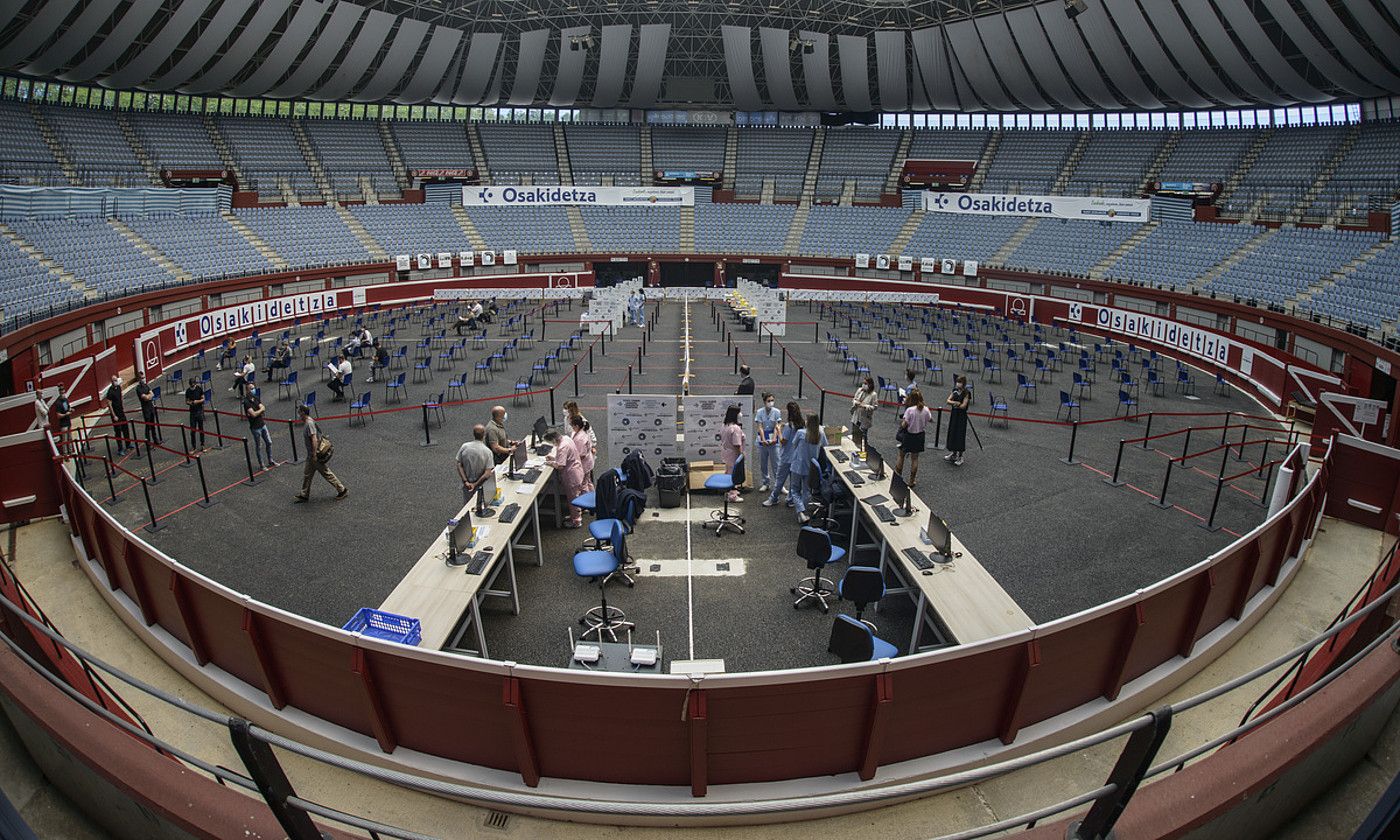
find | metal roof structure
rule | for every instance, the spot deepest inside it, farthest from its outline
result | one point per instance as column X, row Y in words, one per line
column 795, row 55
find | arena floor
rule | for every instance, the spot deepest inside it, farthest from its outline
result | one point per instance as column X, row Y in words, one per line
column 1055, row 536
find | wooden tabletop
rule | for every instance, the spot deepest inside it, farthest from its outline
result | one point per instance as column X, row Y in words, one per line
column 965, row 596
column 438, row 594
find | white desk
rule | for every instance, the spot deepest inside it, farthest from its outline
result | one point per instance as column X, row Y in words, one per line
column 962, row 596
column 438, row 594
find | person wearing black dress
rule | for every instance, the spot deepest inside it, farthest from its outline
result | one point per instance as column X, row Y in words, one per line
column 957, row 421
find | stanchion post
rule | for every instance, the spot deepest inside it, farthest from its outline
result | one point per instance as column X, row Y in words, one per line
column 575, row 379
column 1264, row 494
column 1244, row 430
column 218, row 430
column 816, row 326
column 590, row 358
column 1263, row 459
column 427, row 433
column 248, row 459
column 1166, row 477
column 801, row 375
column 770, row 345
column 629, row 379
column 1117, row 465
column 552, row 414
column 1186, row 444
column 107, row 441
column 821, row 410
column 203, row 487
column 153, row 525
column 1209, row 524
column 937, row 426
column 1145, row 437
column 150, row 462
column 736, row 364
column 185, row 442
column 111, row 487
column 1073, row 436
column 1225, row 428
column 292, row 433
column 784, row 370
column 639, row 360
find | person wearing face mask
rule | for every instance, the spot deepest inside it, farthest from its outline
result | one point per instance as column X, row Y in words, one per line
column 766, row 422
column 501, row 445
column 117, row 412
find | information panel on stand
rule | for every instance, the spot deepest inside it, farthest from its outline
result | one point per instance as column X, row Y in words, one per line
column 703, row 417
column 642, row 423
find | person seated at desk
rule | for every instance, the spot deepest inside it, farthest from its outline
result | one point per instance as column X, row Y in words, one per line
column 564, row 459
column 496, row 439
column 474, row 462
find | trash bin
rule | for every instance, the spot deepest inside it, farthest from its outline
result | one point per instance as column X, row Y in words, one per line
column 672, row 482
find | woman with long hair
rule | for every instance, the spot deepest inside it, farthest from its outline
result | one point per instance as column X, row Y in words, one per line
column 911, row 433
column 809, row 448
column 579, row 434
column 788, row 436
column 566, row 463
column 732, row 443
column 571, row 410
column 958, row 401
column 863, row 405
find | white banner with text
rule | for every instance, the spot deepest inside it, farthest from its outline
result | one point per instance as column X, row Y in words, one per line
column 542, row 196
column 1088, row 208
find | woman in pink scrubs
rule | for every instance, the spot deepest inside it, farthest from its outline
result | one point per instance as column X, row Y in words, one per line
column 732, row 443
column 566, row 462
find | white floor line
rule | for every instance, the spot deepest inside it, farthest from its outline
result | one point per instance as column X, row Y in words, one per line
column 689, row 555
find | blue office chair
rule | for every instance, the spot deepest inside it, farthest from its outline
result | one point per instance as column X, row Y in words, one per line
column 814, row 546
column 853, row 641
column 600, row 535
column 862, row 585
column 599, row 565
column 724, row 482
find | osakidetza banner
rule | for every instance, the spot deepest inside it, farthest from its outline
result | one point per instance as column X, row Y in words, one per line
column 1089, row 208
column 541, row 196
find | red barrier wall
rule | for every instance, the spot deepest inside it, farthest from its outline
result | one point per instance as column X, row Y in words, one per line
column 745, row 728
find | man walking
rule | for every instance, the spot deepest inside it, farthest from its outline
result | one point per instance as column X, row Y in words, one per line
column 316, row 460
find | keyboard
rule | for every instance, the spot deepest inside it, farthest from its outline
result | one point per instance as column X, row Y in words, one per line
column 530, row 476
column 509, row 512
column 839, row 455
column 478, row 562
column 874, row 500
column 885, row 514
column 919, row 559
column 853, row 477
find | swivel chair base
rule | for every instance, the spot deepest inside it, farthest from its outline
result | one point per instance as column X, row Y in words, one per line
column 815, row 589
column 625, row 572
column 602, row 620
column 719, row 520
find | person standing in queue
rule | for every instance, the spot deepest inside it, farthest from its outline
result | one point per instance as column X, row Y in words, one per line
column 121, row 430
column 146, row 396
column 318, row 456
column 766, row 421
column 474, row 462
column 958, row 401
column 911, row 433
column 863, row 404
column 745, row 382
column 732, row 443
column 194, row 398
column 789, row 435
column 496, row 438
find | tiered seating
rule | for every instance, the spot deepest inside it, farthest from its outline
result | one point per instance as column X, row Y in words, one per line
column 1208, row 156
column 1287, row 262
column 1178, row 252
column 433, row 145
column 1286, row 167
column 533, row 229
column 96, row 253
column 1369, row 168
column 1029, row 161
column 205, row 245
column 948, row 144
column 26, row 158
column 266, row 150
column 633, row 228
column 778, row 153
column 306, row 236
column 27, row 287
column 599, row 152
column 348, row 149
column 687, row 149
column 518, row 152
column 175, row 141
column 1115, row 163
column 1066, row 246
column 1369, row 295
column 96, row 146
column 864, row 155
column 962, row 237
column 413, row 228
column 843, row 231
column 742, row 228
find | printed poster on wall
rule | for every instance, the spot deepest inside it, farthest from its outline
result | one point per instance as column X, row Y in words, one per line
column 550, row 195
column 703, row 417
column 1246, row 360
column 403, row 262
column 1095, row 208
column 642, row 423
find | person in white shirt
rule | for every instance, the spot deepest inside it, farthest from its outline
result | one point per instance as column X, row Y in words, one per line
column 242, row 377
column 340, row 368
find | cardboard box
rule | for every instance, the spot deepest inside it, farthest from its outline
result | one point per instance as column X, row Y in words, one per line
column 835, row 434
column 701, row 470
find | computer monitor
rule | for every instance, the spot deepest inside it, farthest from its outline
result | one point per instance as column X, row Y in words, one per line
column 459, row 537
column 875, row 461
column 899, row 491
column 518, row 457
column 537, row 435
column 941, row 537
column 485, row 494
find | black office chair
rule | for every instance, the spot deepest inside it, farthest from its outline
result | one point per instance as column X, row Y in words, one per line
column 814, row 546
column 853, row 641
column 820, row 511
column 862, row 585
column 724, row 482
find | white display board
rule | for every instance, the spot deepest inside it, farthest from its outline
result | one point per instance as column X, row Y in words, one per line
column 642, row 422
column 702, row 418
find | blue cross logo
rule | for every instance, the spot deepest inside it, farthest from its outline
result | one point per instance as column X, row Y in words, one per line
column 941, row 200
column 485, row 196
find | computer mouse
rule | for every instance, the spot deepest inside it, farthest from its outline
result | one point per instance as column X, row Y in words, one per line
column 928, row 571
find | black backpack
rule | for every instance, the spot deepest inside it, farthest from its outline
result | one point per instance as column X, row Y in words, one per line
column 639, row 473
column 607, row 492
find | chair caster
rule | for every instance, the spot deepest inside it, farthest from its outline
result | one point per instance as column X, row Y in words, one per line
column 825, row 609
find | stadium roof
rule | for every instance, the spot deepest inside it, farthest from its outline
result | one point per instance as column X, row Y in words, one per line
column 796, row 55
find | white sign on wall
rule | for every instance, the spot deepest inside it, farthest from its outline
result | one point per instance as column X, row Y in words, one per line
column 543, row 196
column 969, row 268
column 702, row 420
column 862, row 260
column 1055, row 206
column 642, row 423
column 403, row 262
column 444, row 259
column 1193, row 340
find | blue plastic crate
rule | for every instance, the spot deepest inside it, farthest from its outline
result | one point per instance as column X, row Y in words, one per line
column 386, row 625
